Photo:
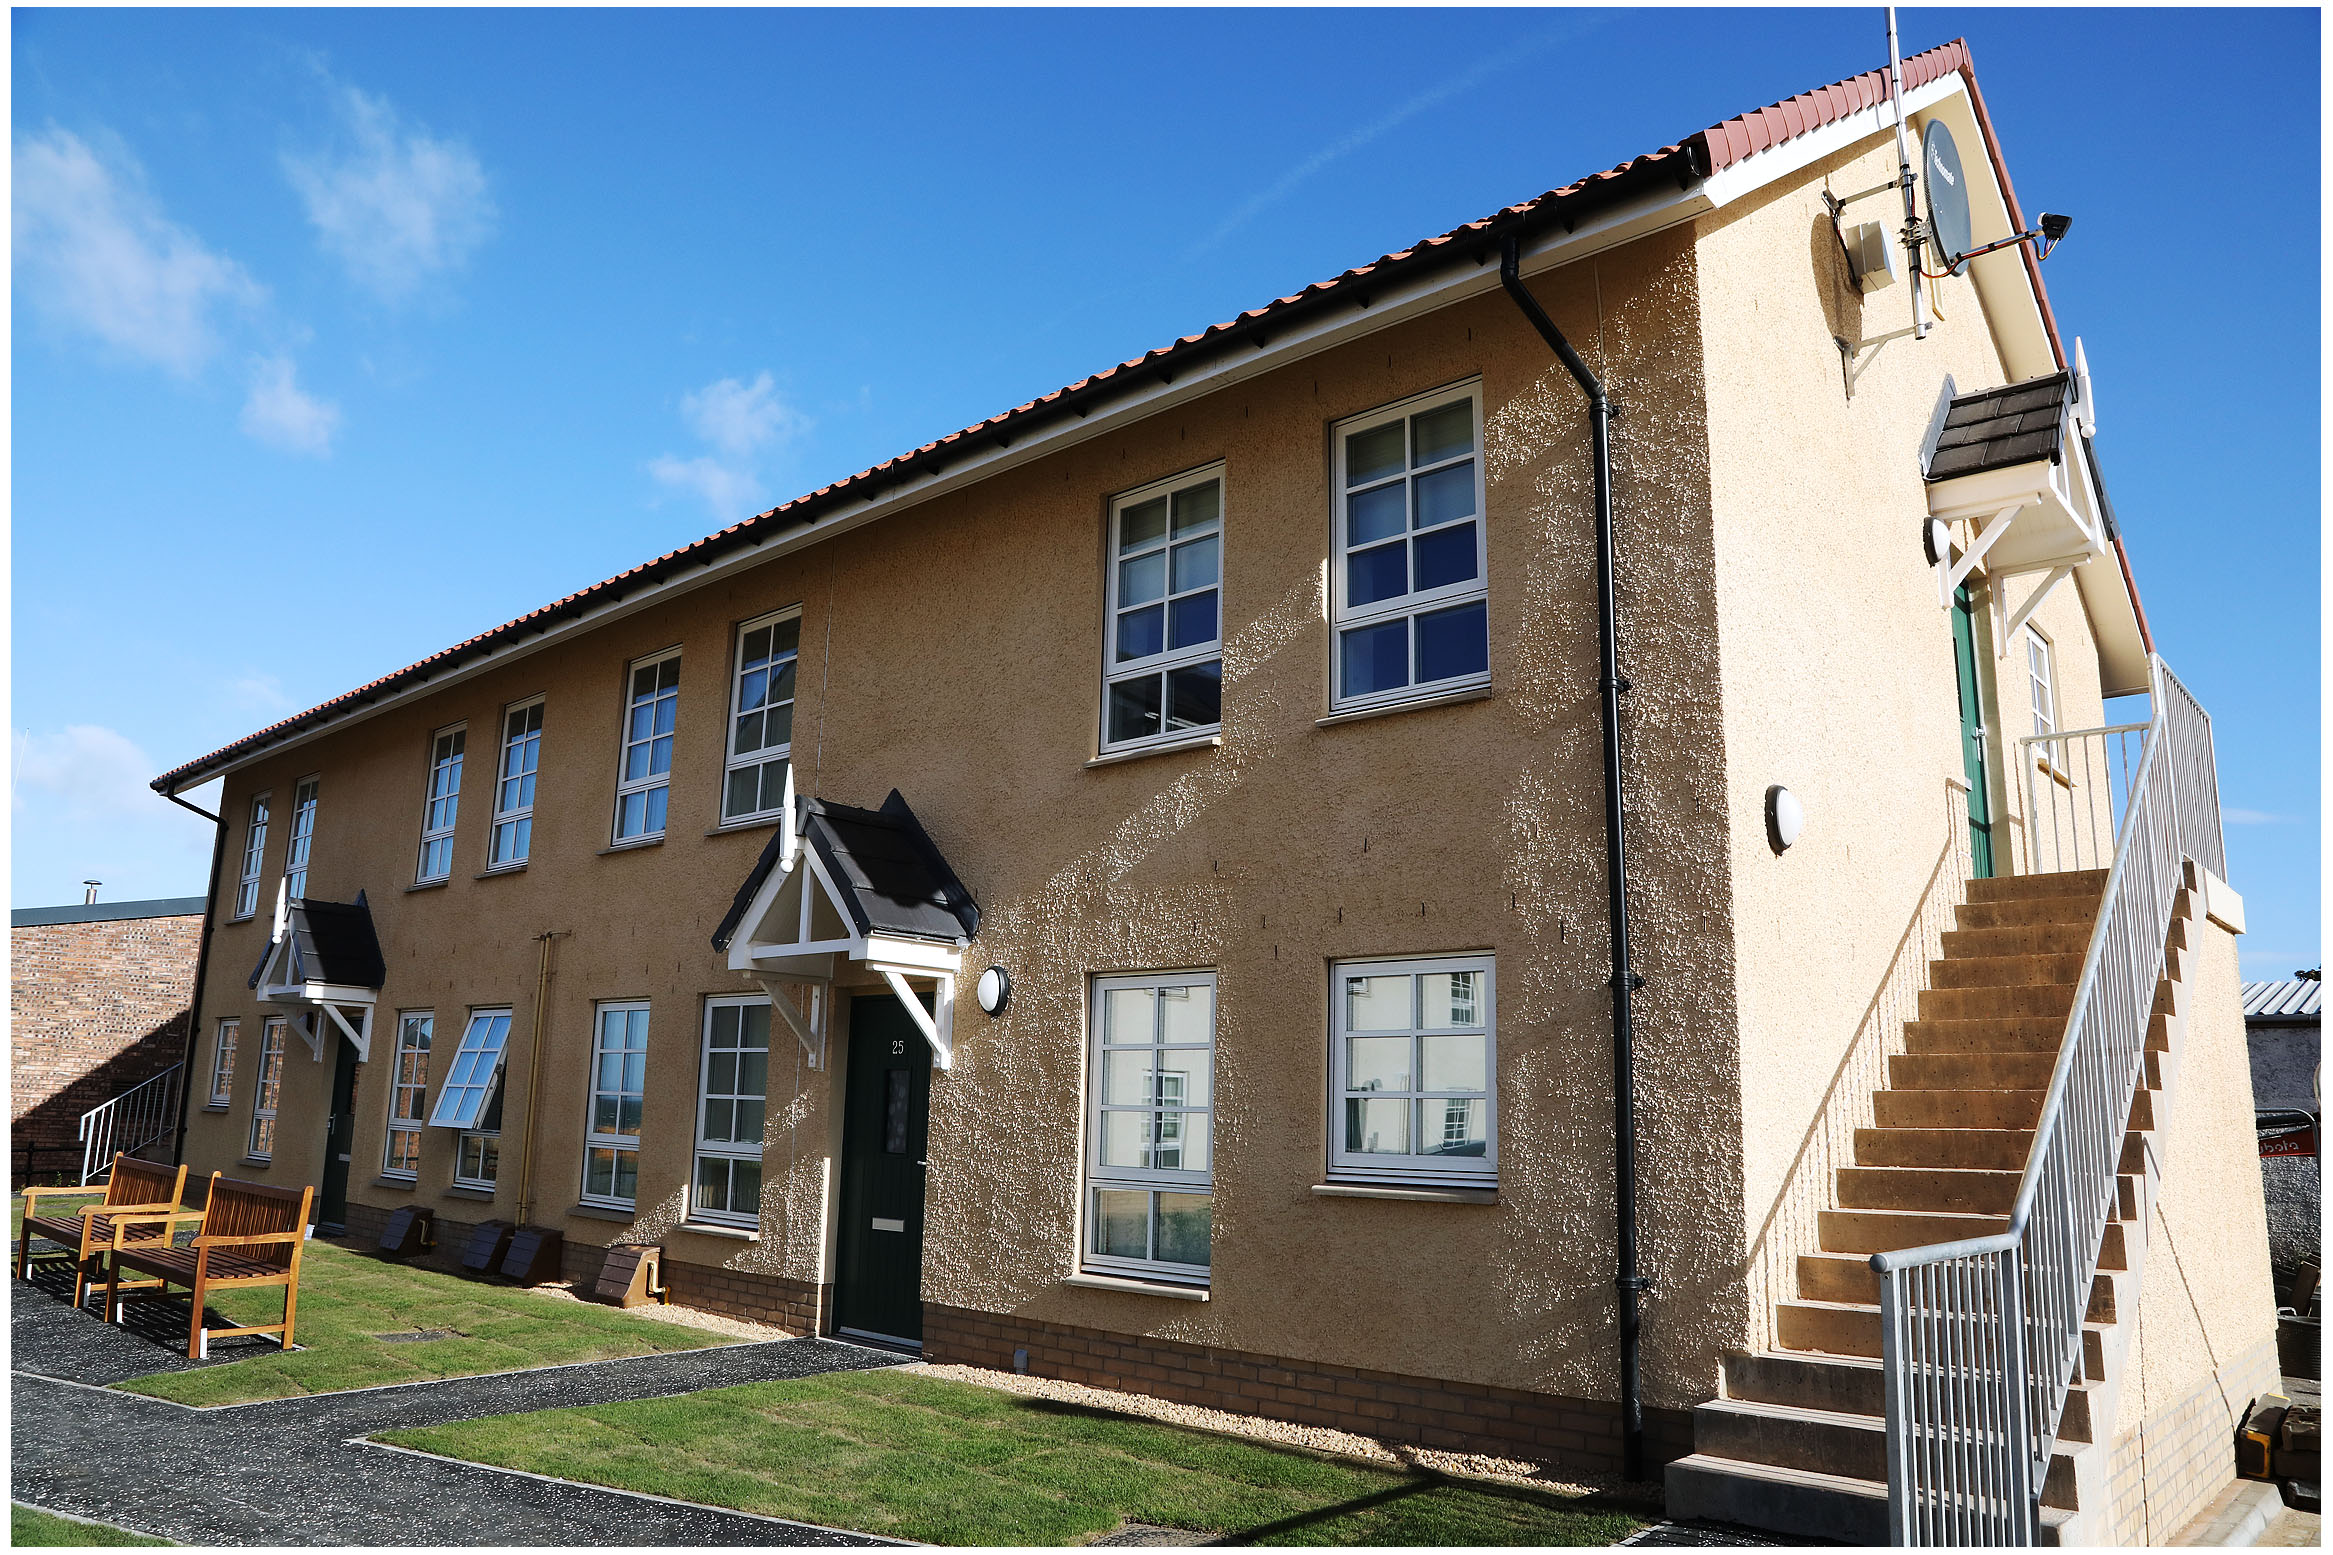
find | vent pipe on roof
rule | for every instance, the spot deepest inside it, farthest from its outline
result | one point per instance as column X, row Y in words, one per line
column 89, row 892
column 1625, row 982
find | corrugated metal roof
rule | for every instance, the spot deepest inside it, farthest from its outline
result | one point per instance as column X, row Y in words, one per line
column 2297, row 1000
column 106, row 912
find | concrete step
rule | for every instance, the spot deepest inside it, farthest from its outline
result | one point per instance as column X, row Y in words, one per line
column 1946, row 1190
column 1852, row 1328
column 1821, row 1441
column 1868, row 1231
column 1850, row 1278
column 1846, row 1384
column 2078, row 910
column 2023, row 939
column 1999, row 1034
column 1979, row 1109
column 2018, row 888
column 1978, row 1003
column 1971, row 1071
column 2005, row 971
column 1795, row 1502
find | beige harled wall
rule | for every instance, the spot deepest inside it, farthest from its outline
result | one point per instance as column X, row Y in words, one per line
column 953, row 652
column 1837, row 673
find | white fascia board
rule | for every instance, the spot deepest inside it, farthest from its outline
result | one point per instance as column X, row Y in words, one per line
column 916, row 957
column 1389, row 303
column 1756, row 171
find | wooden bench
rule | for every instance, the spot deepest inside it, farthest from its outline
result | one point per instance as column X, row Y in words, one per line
column 132, row 1186
column 250, row 1235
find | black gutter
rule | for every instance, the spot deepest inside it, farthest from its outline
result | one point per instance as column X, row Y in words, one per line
column 1625, row 982
column 202, row 968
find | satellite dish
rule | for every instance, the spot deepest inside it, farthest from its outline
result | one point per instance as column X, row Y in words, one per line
column 1948, row 224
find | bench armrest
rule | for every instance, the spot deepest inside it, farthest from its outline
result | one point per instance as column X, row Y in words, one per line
column 126, row 1209
column 125, row 1222
column 33, row 1196
column 245, row 1241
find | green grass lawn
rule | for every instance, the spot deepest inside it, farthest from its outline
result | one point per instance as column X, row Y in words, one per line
column 346, row 1299
column 921, row 1457
column 30, row 1525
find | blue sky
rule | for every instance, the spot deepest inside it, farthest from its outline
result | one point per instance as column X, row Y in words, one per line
column 340, row 336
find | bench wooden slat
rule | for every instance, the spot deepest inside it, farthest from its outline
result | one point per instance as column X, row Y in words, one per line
column 267, row 1227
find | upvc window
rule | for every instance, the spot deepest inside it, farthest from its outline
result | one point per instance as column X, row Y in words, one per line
column 254, row 853
column 2045, row 694
column 514, row 786
column 1150, row 1082
column 619, row 1083
column 1165, row 650
column 442, row 801
column 1413, row 1059
column 269, row 1091
column 761, row 718
column 1409, row 578
column 303, row 836
column 643, row 775
column 223, row 1061
column 477, row 1159
column 470, row 1101
column 408, row 1095
column 733, row 1094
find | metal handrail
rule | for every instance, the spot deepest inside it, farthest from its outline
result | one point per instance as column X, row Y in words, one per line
column 143, row 1107
column 2083, row 763
column 1981, row 1338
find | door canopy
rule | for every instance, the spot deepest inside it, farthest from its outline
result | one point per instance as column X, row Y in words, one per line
column 839, row 884
column 323, row 956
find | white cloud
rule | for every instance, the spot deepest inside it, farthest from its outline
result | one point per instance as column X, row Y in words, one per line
column 2240, row 817
column 95, row 772
column 93, row 250
column 83, row 811
column 280, row 412
column 394, row 203
column 259, row 692
column 743, row 422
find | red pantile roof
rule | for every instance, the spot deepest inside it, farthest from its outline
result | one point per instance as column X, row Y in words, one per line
column 1696, row 156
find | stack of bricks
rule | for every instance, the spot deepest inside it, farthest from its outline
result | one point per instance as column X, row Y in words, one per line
column 1582, row 1434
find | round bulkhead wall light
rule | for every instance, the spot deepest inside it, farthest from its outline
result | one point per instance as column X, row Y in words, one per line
column 1785, row 817
column 994, row 990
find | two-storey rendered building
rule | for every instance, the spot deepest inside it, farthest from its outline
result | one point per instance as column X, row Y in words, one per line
column 1126, row 890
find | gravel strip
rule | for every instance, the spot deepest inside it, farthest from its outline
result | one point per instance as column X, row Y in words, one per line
column 1315, row 1438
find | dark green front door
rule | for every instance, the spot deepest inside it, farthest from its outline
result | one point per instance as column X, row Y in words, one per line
column 878, row 1288
column 1972, row 736
column 340, row 1133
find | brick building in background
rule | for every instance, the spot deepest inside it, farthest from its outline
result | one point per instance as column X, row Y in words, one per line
column 98, row 997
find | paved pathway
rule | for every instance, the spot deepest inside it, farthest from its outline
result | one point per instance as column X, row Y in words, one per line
column 286, row 1472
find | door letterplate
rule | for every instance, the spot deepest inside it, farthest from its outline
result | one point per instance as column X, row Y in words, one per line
column 882, row 1224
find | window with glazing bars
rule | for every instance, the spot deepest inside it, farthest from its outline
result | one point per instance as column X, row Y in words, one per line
column 254, row 854
column 2045, row 692
column 473, row 1083
column 644, row 772
column 408, row 1095
column 1165, row 649
column 223, row 1061
column 302, row 838
column 1408, row 584
column 733, row 1095
column 761, row 718
column 514, row 786
column 269, row 1091
column 443, row 799
column 1413, row 1071
column 1150, row 1178
column 619, row 1083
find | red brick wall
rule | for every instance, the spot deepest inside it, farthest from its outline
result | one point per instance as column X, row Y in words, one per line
column 1452, row 1416
column 95, row 1008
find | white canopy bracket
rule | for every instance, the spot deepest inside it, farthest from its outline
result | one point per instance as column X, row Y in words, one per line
column 2032, row 603
column 810, row 1029
column 1976, row 552
column 936, row 1024
column 359, row 1036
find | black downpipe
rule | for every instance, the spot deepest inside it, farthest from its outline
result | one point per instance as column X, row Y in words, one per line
column 1625, row 982
column 202, row 969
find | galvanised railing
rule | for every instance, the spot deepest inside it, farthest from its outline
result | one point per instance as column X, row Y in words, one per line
column 2076, row 785
column 139, row 1116
column 1981, row 1340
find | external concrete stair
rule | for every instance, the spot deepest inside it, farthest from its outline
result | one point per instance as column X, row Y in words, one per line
column 1795, row 1442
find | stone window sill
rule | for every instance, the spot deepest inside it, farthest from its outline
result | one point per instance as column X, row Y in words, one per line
column 725, row 1233
column 500, row 870
column 262, row 1162
column 758, row 823
column 401, row 1184
column 604, row 1212
column 1138, row 1287
column 429, row 885
column 1417, row 1195
column 480, row 1195
column 632, row 845
column 214, row 1106
column 1168, row 747
column 1441, row 699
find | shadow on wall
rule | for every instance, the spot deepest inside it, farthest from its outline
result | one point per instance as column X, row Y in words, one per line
column 45, row 1141
column 1835, row 284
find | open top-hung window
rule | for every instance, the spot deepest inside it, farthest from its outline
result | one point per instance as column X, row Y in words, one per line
column 470, row 1100
column 1410, row 575
column 439, row 805
column 1165, row 650
column 643, row 774
column 1150, row 1173
column 761, row 719
column 1413, row 1061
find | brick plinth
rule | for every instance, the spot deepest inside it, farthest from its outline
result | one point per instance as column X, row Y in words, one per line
column 1451, row 1416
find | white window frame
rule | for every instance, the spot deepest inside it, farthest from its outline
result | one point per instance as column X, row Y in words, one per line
column 300, row 843
column 631, row 1082
column 1158, row 666
column 732, row 759
column 267, row 1093
column 477, row 1159
column 480, row 1037
column 1415, row 1167
column 1344, row 617
column 441, row 803
column 704, row 1150
column 648, row 782
column 2041, row 676
column 254, row 857
column 514, row 791
column 1153, row 1180
column 408, row 1093
column 224, row 1040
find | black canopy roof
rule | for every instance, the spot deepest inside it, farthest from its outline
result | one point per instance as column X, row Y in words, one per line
column 332, row 942
column 1995, row 428
column 893, row 879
